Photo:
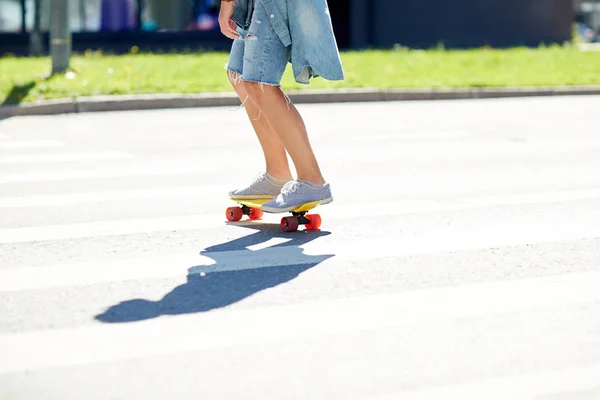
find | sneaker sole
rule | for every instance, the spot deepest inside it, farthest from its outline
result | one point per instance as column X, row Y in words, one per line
column 252, row 197
column 290, row 209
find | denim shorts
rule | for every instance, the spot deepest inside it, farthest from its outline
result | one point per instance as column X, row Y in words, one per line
column 259, row 55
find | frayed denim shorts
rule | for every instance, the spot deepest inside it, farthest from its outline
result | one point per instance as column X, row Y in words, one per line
column 259, row 55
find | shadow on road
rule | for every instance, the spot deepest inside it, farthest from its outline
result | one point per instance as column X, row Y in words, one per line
column 212, row 290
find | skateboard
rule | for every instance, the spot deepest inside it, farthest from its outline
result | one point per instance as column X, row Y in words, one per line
column 251, row 208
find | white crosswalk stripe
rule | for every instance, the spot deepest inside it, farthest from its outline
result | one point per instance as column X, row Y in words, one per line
column 436, row 295
column 71, row 199
column 569, row 382
column 106, row 172
column 564, row 229
column 28, row 144
column 68, row 157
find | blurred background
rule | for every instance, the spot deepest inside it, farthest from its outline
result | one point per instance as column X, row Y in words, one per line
column 154, row 25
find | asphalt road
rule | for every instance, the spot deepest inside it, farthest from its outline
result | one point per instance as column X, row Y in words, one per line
column 459, row 259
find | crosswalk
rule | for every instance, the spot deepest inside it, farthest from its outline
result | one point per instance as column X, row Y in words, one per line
column 44, row 349
column 120, row 277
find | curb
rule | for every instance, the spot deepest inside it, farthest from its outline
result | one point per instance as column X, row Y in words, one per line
column 167, row 101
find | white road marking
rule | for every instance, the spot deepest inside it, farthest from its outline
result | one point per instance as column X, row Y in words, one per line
column 525, row 386
column 16, row 279
column 65, row 157
column 534, row 198
column 71, row 199
column 190, row 222
column 107, row 228
column 30, row 144
column 405, row 206
column 207, row 331
column 435, row 240
column 121, row 172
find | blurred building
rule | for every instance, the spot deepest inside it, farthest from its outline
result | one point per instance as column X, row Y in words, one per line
column 112, row 15
column 117, row 25
column 588, row 13
column 462, row 23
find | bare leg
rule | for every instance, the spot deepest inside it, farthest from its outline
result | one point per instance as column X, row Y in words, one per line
column 285, row 120
column 275, row 156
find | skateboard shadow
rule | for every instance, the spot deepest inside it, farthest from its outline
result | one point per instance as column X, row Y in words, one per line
column 237, row 273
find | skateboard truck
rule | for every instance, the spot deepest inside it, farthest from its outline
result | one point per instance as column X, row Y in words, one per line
column 253, row 213
column 302, row 220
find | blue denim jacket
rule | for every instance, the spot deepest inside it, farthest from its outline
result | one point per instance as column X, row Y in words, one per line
column 308, row 30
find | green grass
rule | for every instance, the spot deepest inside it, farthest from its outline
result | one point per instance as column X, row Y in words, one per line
column 22, row 79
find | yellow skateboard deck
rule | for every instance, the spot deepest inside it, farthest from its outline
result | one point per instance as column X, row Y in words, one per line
column 257, row 203
column 288, row 224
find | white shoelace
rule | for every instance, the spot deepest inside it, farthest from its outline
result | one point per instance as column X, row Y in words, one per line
column 259, row 178
column 290, row 187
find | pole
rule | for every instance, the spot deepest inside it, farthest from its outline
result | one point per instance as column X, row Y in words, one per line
column 138, row 15
column 35, row 38
column 60, row 36
column 83, row 15
column 23, row 16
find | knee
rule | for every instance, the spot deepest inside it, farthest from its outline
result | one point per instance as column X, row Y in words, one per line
column 254, row 90
column 258, row 92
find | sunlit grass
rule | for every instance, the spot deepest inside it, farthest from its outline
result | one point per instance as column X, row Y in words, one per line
column 24, row 79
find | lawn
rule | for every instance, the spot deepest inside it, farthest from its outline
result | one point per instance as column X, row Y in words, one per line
column 23, row 79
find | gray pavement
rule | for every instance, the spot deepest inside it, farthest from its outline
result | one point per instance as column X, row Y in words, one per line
column 459, row 259
column 162, row 101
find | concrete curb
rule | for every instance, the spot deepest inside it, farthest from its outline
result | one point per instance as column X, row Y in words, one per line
column 165, row 101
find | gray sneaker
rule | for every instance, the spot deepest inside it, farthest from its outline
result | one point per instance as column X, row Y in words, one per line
column 264, row 186
column 296, row 193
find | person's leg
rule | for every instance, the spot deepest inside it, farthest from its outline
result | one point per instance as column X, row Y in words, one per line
column 275, row 155
column 264, row 63
column 286, row 121
column 277, row 173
